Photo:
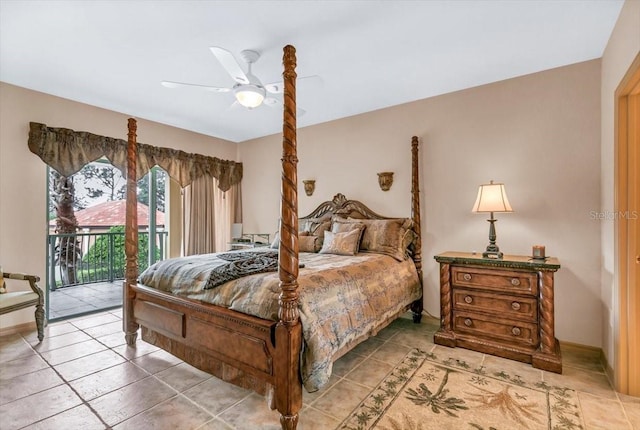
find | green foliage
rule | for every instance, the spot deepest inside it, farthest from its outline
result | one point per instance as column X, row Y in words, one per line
column 99, row 254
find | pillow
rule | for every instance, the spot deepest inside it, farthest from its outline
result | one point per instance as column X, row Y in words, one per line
column 316, row 227
column 341, row 243
column 386, row 236
column 342, row 225
column 276, row 241
column 408, row 242
column 309, row 243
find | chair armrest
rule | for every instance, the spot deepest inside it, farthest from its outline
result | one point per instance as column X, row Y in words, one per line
column 22, row 277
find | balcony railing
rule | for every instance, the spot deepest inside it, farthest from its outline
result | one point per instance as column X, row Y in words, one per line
column 84, row 258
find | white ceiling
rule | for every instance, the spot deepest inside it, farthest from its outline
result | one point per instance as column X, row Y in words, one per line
column 369, row 54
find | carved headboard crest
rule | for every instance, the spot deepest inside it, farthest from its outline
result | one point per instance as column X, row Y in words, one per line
column 340, row 205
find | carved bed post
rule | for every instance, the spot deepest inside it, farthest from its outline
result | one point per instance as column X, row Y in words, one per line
column 288, row 337
column 129, row 325
column 416, row 307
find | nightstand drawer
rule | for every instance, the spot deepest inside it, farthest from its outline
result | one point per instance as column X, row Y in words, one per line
column 498, row 280
column 504, row 330
column 521, row 308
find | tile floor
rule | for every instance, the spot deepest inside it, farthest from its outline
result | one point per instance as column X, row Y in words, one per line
column 83, row 376
column 82, row 299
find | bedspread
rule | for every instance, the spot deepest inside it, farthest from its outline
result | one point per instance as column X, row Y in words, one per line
column 342, row 299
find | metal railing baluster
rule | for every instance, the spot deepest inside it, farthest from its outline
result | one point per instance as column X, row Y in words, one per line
column 102, row 266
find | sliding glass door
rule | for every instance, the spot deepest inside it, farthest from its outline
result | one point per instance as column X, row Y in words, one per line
column 85, row 241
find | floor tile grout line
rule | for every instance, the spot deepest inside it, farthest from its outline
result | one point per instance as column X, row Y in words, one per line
column 214, row 416
column 311, row 404
column 324, row 413
column 68, row 383
column 83, row 401
column 624, row 410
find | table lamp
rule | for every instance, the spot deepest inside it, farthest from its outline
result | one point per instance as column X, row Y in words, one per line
column 492, row 198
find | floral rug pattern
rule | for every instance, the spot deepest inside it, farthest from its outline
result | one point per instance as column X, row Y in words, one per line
column 429, row 392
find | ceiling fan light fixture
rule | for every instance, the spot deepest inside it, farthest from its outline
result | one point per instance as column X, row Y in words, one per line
column 249, row 96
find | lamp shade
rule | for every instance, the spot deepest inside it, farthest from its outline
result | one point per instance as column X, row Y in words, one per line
column 492, row 198
column 249, row 96
column 236, row 230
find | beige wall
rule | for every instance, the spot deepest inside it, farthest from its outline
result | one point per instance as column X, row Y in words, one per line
column 623, row 46
column 539, row 134
column 23, row 223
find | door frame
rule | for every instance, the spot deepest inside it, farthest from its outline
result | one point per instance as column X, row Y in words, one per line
column 626, row 201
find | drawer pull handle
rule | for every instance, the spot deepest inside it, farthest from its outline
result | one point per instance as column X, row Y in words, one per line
column 468, row 299
column 515, row 282
column 468, row 322
column 515, row 331
column 466, row 277
column 515, row 306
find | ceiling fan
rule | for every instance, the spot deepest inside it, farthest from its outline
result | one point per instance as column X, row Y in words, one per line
column 248, row 89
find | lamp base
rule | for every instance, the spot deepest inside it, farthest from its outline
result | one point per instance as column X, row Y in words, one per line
column 496, row 255
column 492, row 249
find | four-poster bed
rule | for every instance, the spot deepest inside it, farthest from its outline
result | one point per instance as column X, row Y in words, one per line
column 266, row 354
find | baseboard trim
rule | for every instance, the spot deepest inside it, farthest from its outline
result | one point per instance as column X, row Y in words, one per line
column 595, row 350
column 30, row 326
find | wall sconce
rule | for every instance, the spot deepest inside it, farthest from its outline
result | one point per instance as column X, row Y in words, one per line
column 385, row 179
column 309, row 186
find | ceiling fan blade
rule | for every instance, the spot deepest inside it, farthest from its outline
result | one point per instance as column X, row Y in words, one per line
column 275, row 87
column 270, row 101
column 234, row 106
column 230, row 64
column 273, row 102
column 170, row 84
column 278, row 87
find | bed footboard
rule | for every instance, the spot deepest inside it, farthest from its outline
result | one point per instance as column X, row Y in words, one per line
column 235, row 347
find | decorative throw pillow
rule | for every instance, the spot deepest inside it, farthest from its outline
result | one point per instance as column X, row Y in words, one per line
column 308, row 243
column 408, row 242
column 341, row 243
column 276, row 241
column 385, row 236
column 341, row 225
column 316, row 227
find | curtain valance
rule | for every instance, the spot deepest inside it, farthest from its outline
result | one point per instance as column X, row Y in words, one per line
column 68, row 151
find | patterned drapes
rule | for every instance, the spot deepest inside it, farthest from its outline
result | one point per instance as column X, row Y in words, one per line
column 68, row 151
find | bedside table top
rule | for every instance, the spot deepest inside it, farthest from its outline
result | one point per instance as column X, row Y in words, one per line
column 508, row 261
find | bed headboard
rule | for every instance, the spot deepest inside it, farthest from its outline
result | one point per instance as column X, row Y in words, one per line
column 340, row 205
column 343, row 207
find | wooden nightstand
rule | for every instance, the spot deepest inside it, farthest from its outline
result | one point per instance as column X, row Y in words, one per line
column 502, row 307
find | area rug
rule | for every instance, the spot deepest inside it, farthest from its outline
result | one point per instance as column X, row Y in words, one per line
column 425, row 392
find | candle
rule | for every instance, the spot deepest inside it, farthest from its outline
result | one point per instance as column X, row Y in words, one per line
column 538, row 251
